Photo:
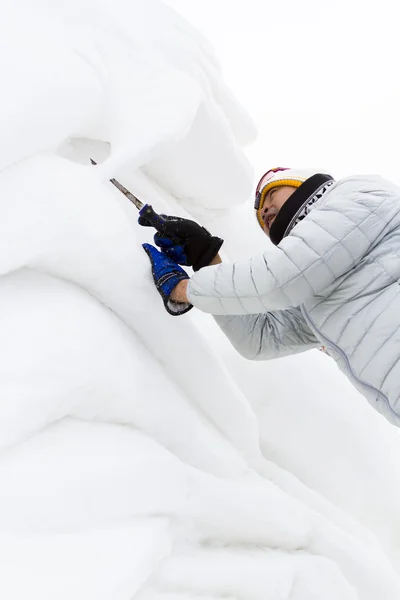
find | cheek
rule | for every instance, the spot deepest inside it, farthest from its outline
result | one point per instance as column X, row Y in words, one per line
column 280, row 200
column 278, row 203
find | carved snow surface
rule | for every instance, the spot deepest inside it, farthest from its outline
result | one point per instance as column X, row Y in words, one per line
column 139, row 456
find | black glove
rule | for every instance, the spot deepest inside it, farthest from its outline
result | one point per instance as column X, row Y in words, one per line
column 184, row 241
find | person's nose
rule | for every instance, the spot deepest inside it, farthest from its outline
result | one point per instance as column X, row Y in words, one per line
column 265, row 209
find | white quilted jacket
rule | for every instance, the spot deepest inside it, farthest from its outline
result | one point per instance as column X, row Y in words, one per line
column 333, row 281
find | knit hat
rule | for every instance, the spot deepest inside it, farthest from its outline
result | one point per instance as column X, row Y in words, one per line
column 305, row 193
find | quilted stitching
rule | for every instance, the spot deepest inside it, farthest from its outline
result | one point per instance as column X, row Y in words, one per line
column 314, row 267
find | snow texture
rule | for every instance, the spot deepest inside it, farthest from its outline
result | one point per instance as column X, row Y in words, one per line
column 140, row 457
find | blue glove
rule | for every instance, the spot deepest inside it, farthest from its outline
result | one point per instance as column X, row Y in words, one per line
column 174, row 250
column 166, row 274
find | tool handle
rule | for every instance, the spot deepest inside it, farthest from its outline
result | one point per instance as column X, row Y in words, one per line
column 154, row 218
column 166, row 226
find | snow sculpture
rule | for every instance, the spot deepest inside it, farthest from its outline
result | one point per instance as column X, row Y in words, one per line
column 130, row 462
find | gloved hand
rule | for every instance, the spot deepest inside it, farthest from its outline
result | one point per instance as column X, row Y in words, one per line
column 166, row 274
column 185, row 241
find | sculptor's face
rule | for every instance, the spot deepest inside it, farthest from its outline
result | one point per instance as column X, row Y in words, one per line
column 273, row 202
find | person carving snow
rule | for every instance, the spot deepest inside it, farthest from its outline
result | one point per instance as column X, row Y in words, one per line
column 332, row 279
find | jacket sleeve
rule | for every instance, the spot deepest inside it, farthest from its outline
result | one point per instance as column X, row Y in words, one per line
column 268, row 335
column 329, row 242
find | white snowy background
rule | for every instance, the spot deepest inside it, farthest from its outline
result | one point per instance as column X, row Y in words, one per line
column 140, row 456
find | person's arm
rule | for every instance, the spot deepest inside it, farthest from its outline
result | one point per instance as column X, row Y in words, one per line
column 179, row 293
column 264, row 336
column 269, row 335
column 333, row 238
